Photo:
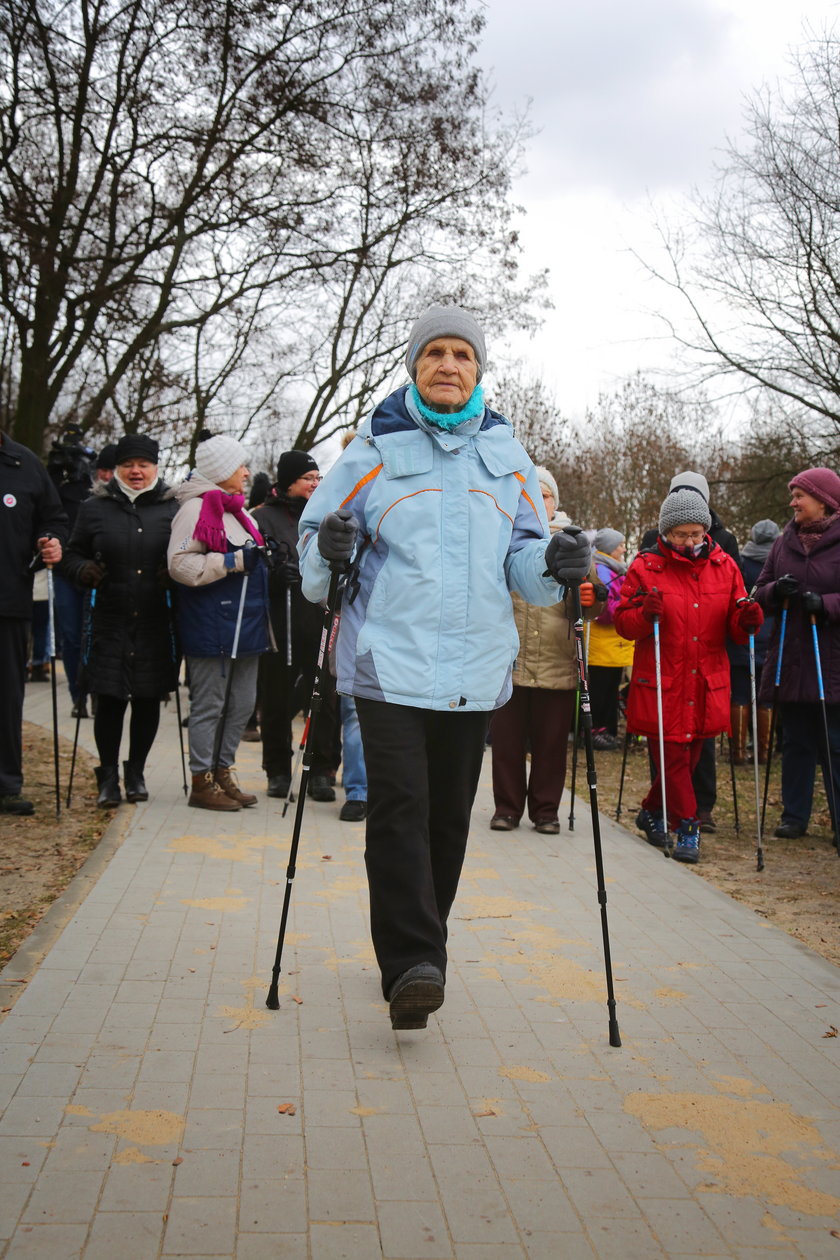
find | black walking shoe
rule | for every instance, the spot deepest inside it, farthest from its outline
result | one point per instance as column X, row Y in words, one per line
column 278, row 785
column 79, row 709
column 653, row 827
column 320, row 788
column 16, row 804
column 108, row 778
column 135, row 784
column 789, row 831
column 353, row 811
column 414, row 995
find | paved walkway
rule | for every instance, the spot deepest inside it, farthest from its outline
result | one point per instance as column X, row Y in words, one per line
column 155, row 1108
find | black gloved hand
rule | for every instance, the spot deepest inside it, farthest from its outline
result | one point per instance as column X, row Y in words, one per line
column 786, row 588
column 568, row 557
column 250, row 557
column 337, row 535
column 90, row 573
column 813, row 605
column 601, row 593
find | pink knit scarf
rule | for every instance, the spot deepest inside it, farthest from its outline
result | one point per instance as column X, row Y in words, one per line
column 210, row 528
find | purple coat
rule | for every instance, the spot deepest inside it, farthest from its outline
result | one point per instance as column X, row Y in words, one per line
column 817, row 570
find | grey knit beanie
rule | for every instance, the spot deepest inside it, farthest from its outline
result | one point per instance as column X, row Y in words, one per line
column 445, row 321
column 606, row 540
column 691, row 481
column 545, row 478
column 218, row 458
column 684, row 507
column 764, row 532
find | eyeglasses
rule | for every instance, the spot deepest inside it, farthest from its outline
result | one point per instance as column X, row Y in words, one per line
column 681, row 535
column 313, row 478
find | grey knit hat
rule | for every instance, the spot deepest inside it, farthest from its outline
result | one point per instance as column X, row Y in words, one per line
column 691, row 481
column 445, row 321
column 545, row 478
column 606, row 540
column 218, row 458
column 684, row 507
column 764, row 532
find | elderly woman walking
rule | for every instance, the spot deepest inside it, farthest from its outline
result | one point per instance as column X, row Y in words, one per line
column 802, row 574
column 118, row 547
column 215, row 556
column 687, row 585
column 448, row 513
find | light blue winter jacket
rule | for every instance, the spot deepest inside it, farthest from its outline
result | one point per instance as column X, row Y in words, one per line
column 450, row 523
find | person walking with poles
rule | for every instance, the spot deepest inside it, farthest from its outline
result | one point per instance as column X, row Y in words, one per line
column 680, row 600
column 439, row 508
column 801, row 578
column 118, row 548
column 216, row 557
column 286, row 676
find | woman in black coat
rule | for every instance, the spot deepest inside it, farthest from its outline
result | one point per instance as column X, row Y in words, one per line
column 118, row 548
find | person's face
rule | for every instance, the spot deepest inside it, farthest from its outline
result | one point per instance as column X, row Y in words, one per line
column 686, row 535
column 104, row 474
column 304, row 487
column 235, row 483
column 805, row 507
column 447, row 373
column 548, row 500
column 138, row 473
column 618, row 554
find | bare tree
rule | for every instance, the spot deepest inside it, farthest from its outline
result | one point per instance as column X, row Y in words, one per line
column 759, row 268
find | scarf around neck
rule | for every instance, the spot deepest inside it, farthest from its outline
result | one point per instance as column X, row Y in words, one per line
column 812, row 531
column 210, row 528
column 474, row 406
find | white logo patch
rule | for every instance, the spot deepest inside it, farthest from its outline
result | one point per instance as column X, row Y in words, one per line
column 9, row 500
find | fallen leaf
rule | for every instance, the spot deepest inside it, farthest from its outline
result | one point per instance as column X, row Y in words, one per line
column 832, row 1031
column 25, row 1164
column 177, row 1161
column 479, row 1115
column 287, row 1109
column 326, row 857
column 297, row 999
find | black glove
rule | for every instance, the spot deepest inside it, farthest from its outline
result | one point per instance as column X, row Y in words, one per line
column 813, row 605
column 568, row 557
column 786, row 588
column 250, row 557
column 90, row 573
column 337, row 535
column 601, row 593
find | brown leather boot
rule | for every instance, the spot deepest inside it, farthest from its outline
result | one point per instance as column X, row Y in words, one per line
column 206, row 793
column 228, row 784
column 739, row 716
column 765, row 717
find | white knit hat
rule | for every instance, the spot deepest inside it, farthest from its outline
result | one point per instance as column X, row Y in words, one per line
column 545, row 478
column 218, row 458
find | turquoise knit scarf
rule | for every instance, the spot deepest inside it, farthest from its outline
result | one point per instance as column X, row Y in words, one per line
column 472, row 407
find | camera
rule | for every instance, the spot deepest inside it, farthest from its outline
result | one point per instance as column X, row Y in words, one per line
column 69, row 459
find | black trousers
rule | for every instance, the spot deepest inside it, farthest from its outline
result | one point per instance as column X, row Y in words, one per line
column 604, row 682
column 281, row 693
column 108, row 727
column 423, row 768
column 13, row 635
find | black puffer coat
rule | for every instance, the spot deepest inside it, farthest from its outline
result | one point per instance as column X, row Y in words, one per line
column 131, row 647
column 278, row 518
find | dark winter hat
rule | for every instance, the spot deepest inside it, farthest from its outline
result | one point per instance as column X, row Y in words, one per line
column 684, row 507
column 606, row 540
column 764, row 532
column 293, row 464
column 445, row 321
column 108, row 457
column 822, row 483
column 136, row 446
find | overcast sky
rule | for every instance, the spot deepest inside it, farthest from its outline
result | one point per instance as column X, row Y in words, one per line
column 633, row 104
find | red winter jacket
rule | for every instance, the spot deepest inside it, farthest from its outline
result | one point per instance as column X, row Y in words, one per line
column 699, row 611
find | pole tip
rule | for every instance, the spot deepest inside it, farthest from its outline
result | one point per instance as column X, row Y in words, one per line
column 273, row 999
column 615, row 1039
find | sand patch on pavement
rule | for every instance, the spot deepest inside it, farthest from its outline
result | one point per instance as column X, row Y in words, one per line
column 145, row 1128
column 744, row 1145
column 228, row 848
column 216, row 903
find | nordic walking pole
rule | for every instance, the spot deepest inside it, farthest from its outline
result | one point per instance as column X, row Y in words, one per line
column 828, row 770
column 290, row 796
column 661, row 725
column 576, row 730
column 173, row 647
column 774, row 710
column 759, row 847
column 220, row 728
column 332, row 616
column 736, row 818
column 586, row 712
column 87, row 635
column 623, row 772
column 53, row 681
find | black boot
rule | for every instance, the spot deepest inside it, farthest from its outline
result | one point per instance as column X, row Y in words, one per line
column 108, row 778
column 135, row 784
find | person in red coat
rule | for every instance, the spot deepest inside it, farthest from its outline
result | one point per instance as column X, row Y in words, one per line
column 695, row 591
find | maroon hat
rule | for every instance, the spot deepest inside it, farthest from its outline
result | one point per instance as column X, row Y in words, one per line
column 822, row 483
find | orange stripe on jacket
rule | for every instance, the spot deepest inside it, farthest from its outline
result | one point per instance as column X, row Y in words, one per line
column 428, row 490
column 359, row 484
column 519, row 477
column 490, row 496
